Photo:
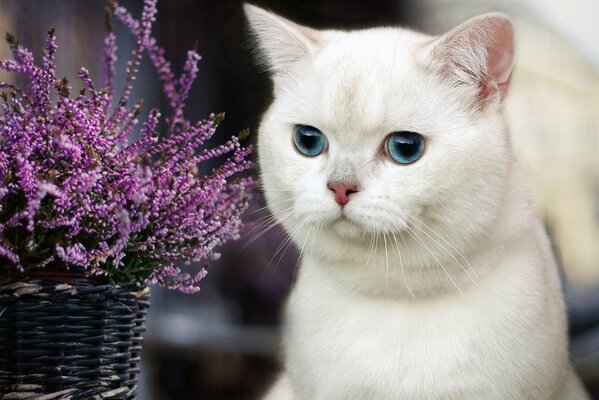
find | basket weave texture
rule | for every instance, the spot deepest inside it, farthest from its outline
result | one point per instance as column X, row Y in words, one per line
column 76, row 340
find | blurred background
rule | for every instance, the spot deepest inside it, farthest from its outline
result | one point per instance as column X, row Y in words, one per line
column 222, row 343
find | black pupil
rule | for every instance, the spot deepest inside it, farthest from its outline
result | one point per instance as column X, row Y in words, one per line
column 407, row 145
column 309, row 139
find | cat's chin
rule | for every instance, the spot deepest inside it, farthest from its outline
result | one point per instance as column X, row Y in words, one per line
column 348, row 229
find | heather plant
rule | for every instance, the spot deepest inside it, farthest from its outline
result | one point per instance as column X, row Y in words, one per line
column 81, row 189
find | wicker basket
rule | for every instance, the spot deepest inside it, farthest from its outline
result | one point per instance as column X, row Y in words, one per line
column 75, row 340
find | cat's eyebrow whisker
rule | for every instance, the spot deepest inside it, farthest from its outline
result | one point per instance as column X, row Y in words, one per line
column 458, row 252
column 413, row 235
column 401, row 267
column 444, row 248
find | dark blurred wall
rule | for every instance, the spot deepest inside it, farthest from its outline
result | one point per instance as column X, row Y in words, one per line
column 228, row 80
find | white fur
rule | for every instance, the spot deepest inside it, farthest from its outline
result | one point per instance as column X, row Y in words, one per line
column 436, row 280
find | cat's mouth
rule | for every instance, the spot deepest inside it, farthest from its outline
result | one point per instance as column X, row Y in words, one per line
column 353, row 225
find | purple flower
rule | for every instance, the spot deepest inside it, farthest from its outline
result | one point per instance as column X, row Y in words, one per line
column 77, row 192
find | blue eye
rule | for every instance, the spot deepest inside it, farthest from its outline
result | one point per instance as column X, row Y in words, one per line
column 309, row 141
column 405, row 147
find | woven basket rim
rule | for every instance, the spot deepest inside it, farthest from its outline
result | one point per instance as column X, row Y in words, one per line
column 43, row 287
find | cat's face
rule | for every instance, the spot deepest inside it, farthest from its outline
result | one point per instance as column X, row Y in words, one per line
column 376, row 134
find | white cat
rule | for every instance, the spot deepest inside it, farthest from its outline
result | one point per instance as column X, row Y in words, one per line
column 424, row 272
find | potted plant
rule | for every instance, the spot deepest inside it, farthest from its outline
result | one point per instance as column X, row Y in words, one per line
column 92, row 210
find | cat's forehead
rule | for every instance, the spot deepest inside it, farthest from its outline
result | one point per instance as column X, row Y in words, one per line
column 382, row 46
column 359, row 75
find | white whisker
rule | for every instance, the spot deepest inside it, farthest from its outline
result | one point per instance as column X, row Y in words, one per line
column 271, row 222
column 446, row 250
column 265, row 208
column 458, row 252
column 285, row 245
column 299, row 258
column 387, row 262
column 413, row 234
column 403, row 274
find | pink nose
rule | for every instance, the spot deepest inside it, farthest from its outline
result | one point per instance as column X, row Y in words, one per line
column 342, row 192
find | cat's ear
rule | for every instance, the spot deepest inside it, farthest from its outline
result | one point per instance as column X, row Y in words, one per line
column 478, row 52
column 281, row 42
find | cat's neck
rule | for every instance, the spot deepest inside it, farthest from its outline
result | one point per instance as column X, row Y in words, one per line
column 400, row 267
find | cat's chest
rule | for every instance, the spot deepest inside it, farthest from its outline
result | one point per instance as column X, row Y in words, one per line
column 345, row 347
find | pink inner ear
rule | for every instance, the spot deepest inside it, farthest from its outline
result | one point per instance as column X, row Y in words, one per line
column 500, row 55
column 503, row 87
column 491, row 87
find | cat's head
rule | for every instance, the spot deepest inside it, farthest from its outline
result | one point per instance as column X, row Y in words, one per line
column 384, row 133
